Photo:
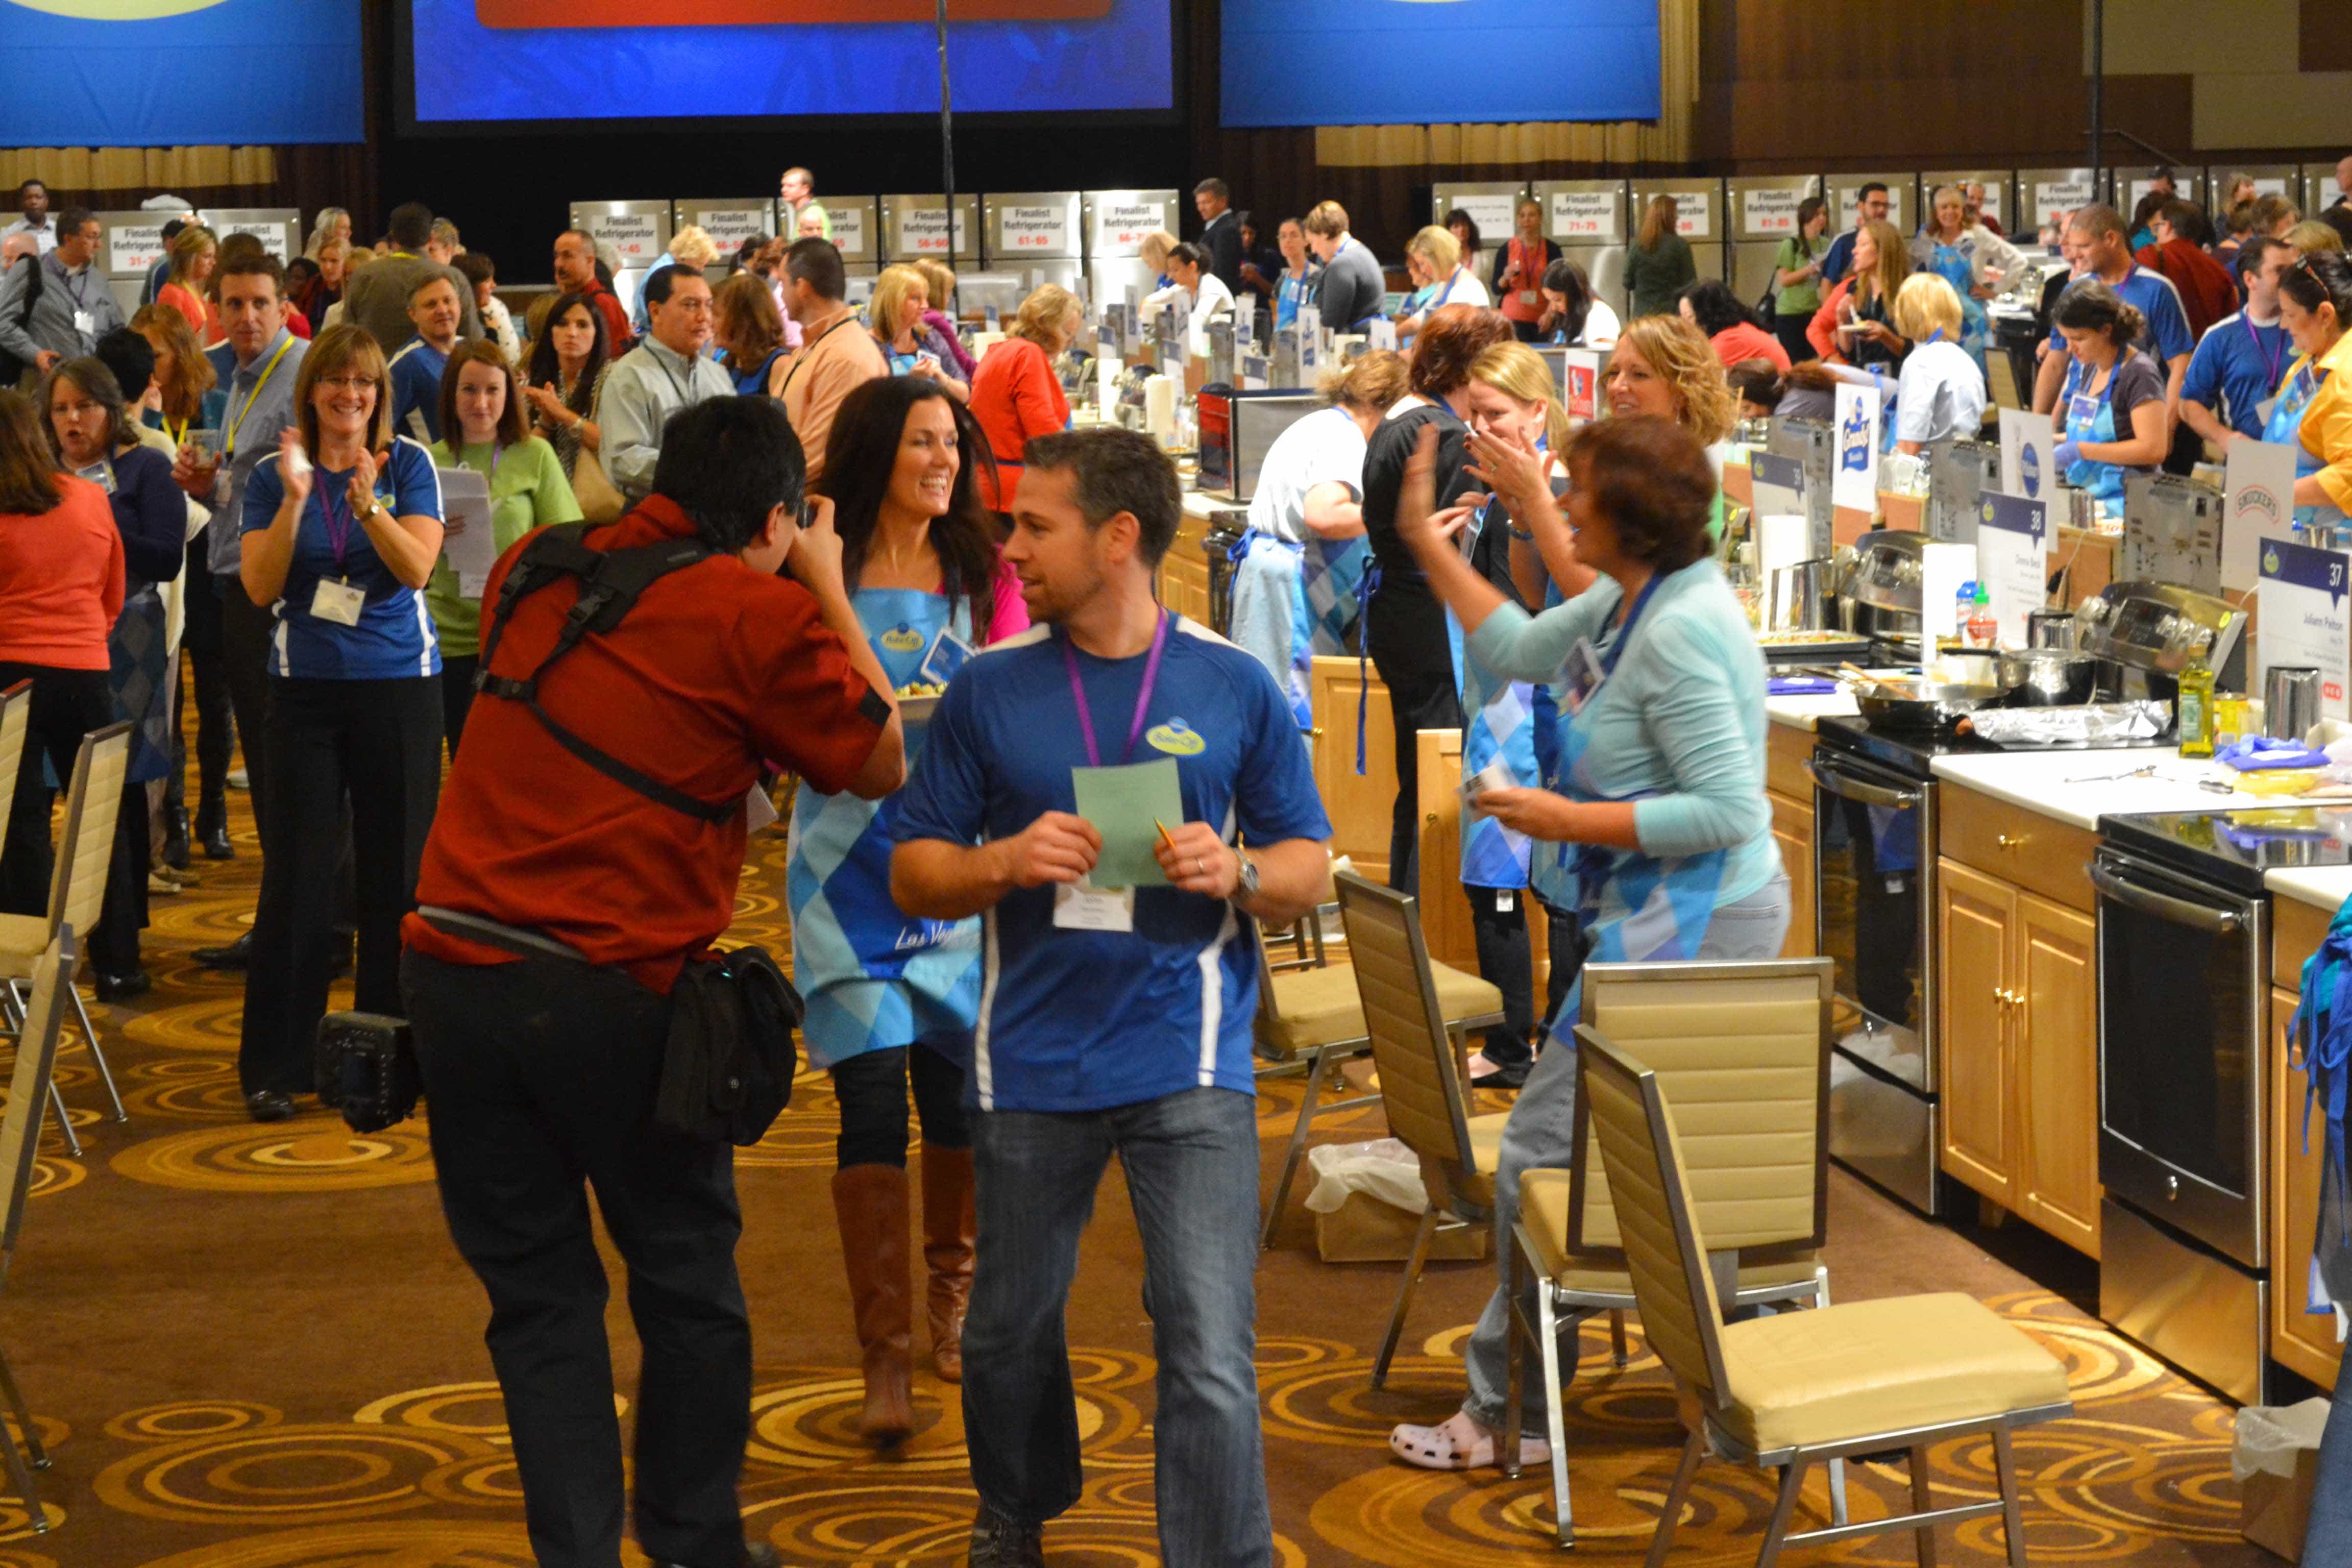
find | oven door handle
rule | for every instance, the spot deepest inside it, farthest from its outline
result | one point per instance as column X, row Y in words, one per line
column 2164, row 906
column 1850, row 788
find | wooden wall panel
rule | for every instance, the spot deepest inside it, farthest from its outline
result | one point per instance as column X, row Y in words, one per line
column 2326, row 42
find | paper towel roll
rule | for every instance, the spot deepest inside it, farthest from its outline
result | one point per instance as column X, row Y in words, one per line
column 1107, row 375
column 1159, row 409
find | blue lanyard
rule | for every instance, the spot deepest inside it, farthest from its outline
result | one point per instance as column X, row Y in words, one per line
column 1625, row 632
column 1142, row 696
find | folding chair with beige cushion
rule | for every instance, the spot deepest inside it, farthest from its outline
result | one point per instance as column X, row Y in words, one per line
column 16, row 718
column 1310, row 1019
column 1744, row 1048
column 76, row 891
column 20, row 1137
column 1795, row 1388
column 1423, row 1085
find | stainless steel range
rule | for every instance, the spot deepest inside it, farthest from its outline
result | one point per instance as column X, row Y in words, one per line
column 1874, row 834
column 2184, row 1024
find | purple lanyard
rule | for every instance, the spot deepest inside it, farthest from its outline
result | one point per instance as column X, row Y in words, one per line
column 1142, row 697
column 2271, row 362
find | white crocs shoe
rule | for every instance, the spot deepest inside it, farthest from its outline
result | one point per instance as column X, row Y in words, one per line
column 1459, row 1444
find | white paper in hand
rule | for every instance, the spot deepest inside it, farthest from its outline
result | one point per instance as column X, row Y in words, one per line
column 467, row 543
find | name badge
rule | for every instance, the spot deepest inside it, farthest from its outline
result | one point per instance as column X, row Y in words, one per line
column 1082, row 906
column 1581, row 675
column 1531, row 297
column 338, row 601
column 2264, row 410
column 949, row 654
column 85, row 323
column 2081, row 408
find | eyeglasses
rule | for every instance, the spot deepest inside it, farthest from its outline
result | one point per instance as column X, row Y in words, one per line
column 349, row 383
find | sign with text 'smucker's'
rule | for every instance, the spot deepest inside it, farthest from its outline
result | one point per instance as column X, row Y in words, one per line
column 147, row 73
column 1414, row 62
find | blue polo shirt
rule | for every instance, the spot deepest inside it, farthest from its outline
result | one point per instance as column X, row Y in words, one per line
column 416, row 391
column 2153, row 296
column 1840, row 259
column 2236, row 369
column 1082, row 1020
column 394, row 639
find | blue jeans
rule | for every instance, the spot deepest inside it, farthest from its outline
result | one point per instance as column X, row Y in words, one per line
column 1540, row 1135
column 1191, row 1165
column 2327, row 1542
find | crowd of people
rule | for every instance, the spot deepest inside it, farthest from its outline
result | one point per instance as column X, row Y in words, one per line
column 275, row 467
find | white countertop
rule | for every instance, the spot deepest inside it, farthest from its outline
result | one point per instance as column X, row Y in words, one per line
column 2324, row 887
column 1805, row 712
column 2039, row 781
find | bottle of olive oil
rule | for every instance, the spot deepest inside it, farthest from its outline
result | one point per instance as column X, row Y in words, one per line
column 2196, row 709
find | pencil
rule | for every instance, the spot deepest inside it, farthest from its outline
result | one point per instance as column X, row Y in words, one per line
column 1164, row 836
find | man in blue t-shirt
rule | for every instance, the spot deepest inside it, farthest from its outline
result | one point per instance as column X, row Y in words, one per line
column 415, row 370
column 2236, row 369
column 1113, row 1019
column 2097, row 232
column 1870, row 205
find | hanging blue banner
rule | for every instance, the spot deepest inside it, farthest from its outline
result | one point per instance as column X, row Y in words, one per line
column 164, row 73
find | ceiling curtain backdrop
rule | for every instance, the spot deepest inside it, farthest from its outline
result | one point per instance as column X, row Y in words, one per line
column 110, row 179
column 1450, row 150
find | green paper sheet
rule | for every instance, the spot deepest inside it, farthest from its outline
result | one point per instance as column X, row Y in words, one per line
column 1125, row 805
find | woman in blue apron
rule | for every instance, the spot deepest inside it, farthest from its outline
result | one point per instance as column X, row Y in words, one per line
column 1439, row 254
column 911, row 345
column 1659, row 795
column 1298, row 572
column 91, row 432
column 2110, row 416
column 1512, row 399
column 2313, row 411
column 1296, row 286
column 1967, row 256
column 891, row 999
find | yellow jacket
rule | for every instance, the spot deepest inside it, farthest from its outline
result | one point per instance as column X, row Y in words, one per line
column 2326, row 428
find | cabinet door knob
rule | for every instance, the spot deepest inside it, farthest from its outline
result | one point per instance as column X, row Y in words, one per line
column 2008, row 841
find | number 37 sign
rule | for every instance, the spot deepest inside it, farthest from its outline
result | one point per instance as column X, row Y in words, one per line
column 2305, row 619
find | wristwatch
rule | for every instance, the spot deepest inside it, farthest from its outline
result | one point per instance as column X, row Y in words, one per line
column 1249, row 879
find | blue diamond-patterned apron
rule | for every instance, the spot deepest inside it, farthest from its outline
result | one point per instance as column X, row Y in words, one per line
column 1956, row 265
column 1292, row 601
column 2285, row 428
column 1498, row 724
column 1636, row 908
column 875, row 977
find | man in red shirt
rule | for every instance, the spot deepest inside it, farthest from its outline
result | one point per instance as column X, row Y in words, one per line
column 575, row 273
column 540, row 1067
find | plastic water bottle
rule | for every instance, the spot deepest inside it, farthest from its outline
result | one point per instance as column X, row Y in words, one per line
column 1964, row 608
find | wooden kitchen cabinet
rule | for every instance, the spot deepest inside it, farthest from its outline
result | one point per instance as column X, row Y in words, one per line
column 1357, row 804
column 1973, row 913
column 1792, row 830
column 2298, row 1340
column 1184, row 571
column 2018, row 1032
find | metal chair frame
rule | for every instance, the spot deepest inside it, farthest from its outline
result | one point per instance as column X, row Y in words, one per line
column 62, row 889
column 1453, row 1072
column 1560, row 1311
column 20, row 1137
column 1703, row 1416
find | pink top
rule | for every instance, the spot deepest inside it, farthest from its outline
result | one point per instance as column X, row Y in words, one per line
column 1010, row 614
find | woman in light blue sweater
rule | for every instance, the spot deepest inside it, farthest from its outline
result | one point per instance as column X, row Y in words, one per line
column 1658, row 796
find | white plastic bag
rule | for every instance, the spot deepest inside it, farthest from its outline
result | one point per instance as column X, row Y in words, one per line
column 2269, row 1436
column 1385, row 1169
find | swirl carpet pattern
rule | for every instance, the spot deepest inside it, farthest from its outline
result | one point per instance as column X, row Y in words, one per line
column 254, row 1347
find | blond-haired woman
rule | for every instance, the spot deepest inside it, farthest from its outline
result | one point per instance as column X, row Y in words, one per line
column 1296, row 591
column 941, row 317
column 187, row 289
column 1016, row 395
column 1514, row 401
column 1153, row 253
column 340, row 534
column 1450, row 282
column 1857, row 323
column 894, row 315
column 1659, row 261
column 1942, row 393
column 332, row 226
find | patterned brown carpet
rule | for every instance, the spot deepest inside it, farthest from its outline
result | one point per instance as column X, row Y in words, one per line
column 255, row 1348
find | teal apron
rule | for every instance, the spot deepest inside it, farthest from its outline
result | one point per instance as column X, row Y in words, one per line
column 1292, row 601
column 2285, row 428
column 2090, row 418
column 875, row 977
column 1956, row 267
column 1498, row 724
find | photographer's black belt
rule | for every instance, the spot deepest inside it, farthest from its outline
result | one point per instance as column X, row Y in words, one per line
column 517, row 939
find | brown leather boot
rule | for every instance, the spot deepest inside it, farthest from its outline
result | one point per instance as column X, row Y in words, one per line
column 869, row 1203
column 948, row 1227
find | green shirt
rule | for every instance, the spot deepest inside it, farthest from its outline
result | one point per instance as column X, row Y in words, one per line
column 1654, row 277
column 527, row 491
column 1800, row 299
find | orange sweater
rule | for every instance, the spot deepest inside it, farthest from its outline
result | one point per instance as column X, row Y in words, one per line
column 60, row 580
column 1015, row 396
